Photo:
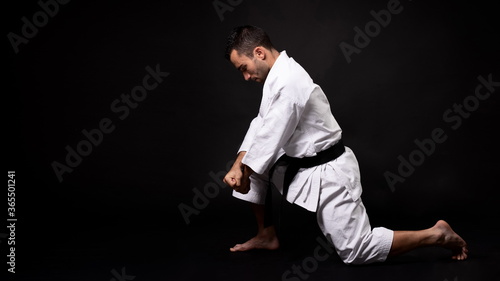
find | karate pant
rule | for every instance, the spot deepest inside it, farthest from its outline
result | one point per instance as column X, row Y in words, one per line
column 343, row 220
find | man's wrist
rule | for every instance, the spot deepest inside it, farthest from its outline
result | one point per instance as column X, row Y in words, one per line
column 238, row 164
column 247, row 171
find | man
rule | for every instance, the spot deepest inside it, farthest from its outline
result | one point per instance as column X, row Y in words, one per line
column 320, row 174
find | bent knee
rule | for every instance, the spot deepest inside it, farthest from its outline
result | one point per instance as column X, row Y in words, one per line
column 370, row 248
column 360, row 256
column 351, row 259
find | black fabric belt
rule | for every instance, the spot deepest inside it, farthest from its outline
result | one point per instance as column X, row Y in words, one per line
column 293, row 165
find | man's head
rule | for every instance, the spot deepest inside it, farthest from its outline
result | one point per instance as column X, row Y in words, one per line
column 250, row 50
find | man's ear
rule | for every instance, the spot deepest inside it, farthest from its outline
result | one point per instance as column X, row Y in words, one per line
column 259, row 52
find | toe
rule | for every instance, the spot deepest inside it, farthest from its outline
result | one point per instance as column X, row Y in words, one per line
column 235, row 248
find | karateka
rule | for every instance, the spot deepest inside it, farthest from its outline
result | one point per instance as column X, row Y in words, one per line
column 295, row 125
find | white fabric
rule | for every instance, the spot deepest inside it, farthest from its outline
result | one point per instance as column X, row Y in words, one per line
column 342, row 217
column 341, row 214
column 295, row 118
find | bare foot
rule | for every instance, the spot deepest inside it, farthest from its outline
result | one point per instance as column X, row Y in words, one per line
column 265, row 239
column 447, row 238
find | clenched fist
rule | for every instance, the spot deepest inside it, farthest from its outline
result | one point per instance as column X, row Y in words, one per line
column 238, row 178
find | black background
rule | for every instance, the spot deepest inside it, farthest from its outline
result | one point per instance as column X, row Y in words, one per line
column 129, row 188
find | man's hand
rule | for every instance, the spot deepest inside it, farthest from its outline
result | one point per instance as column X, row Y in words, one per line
column 235, row 179
column 238, row 178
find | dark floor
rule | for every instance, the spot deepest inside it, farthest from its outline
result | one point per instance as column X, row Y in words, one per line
column 134, row 248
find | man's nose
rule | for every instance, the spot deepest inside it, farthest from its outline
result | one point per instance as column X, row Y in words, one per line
column 246, row 76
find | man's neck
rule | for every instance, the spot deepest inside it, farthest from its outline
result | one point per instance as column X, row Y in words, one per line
column 273, row 56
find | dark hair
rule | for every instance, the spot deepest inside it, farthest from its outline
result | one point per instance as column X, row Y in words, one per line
column 245, row 38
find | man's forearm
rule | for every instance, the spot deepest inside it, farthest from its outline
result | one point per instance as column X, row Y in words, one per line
column 238, row 162
column 247, row 171
column 239, row 175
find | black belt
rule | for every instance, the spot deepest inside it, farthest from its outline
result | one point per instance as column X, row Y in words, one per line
column 293, row 165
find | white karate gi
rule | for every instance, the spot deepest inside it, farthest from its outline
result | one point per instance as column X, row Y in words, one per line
column 295, row 118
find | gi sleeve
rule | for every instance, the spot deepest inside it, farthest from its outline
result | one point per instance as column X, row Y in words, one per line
column 252, row 130
column 274, row 131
